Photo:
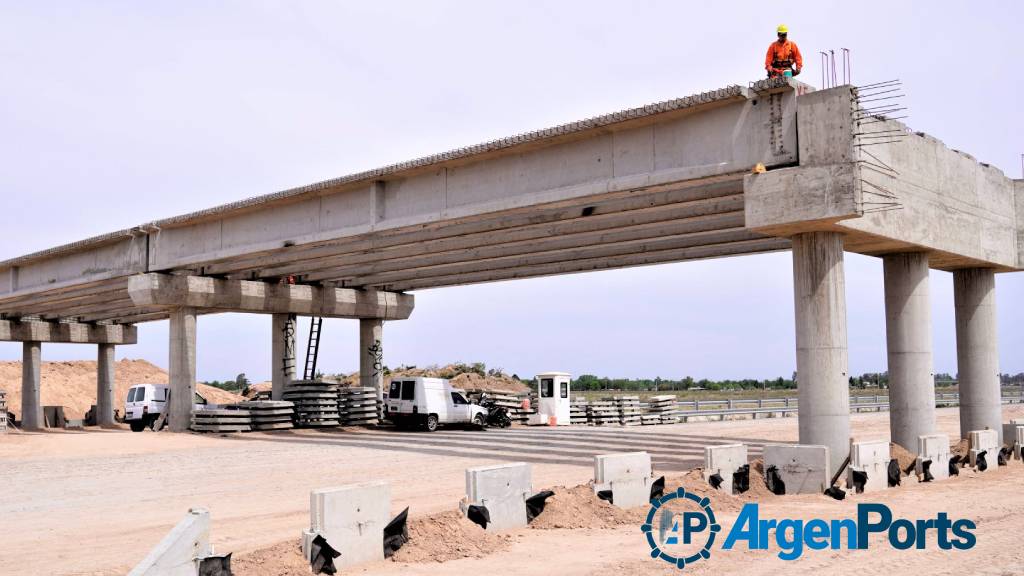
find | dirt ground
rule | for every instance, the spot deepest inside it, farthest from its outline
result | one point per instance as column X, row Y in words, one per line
column 95, row 502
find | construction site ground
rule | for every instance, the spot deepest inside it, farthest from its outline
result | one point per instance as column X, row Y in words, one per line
column 95, row 502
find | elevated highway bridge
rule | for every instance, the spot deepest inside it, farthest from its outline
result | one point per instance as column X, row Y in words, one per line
column 772, row 166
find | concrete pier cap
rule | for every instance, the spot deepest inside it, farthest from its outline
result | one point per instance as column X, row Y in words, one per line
column 503, row 490
column 627, row 475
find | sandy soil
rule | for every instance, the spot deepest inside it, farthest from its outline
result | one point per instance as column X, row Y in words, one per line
column 73, row 385
column 89, row 491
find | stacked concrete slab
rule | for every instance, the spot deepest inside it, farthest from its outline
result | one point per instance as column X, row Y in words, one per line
column 352, row 519
column 627, row 475
column 357, row 405
column 578, row 412
column 664, row 407
column 871, row 458
column 316, row 403
column 222, row 420
column 804, row 468
column 629, row 409
column 269, row 414
column 601, row 412
column 503, row 490
column 506, row 399
column 3, row 412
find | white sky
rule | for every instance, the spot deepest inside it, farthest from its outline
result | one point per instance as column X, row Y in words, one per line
column 117, row 113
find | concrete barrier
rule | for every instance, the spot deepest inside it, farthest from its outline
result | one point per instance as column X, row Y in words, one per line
column 627, row 475
column 1012, row 437
column 934, row 447
column 503, row 490
column 985, row 441
column 179, row 553
column 352, row 519
column 724, row 461
column 803, row 467
column 872, row 458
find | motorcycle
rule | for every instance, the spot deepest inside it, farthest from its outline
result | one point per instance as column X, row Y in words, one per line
column 497, row 416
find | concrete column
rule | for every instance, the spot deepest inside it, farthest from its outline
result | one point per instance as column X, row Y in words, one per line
column 31, row 368
column 371, row 355
column 182, row 368
column 977, row 351
column 821, row 350
column 908, row 331
column 105, row 385
column 282, row 353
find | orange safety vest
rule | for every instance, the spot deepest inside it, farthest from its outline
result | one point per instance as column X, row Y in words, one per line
column 783, row 56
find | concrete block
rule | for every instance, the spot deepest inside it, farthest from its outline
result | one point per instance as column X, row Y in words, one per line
column 803, row 467
column 934, row 447
column 352, row 519
column 724, row 461
column 627, row 475
column 1010, row 432
column 503, row 490
column 985, row 441
column 178, row 554
column 871, row 457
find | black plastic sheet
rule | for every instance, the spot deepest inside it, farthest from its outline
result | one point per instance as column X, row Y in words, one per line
column 715, row 480
column 894, row 472
column 323, row 556
column 658, row 488
column 479, row 515
column 535, row 504
column 926, row 467
column 859, row 480
column 215, row 566
column 396, row 533
column 741, row 479
column 775, row 483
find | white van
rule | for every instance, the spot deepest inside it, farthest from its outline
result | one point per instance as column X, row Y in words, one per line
column 428, row 402
column 146, row 402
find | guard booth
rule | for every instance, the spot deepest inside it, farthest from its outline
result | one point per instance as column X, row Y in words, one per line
column 552, row 399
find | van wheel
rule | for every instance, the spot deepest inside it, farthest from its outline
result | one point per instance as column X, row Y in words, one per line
column 479, row 422
column 431, row 423
column 137, row 425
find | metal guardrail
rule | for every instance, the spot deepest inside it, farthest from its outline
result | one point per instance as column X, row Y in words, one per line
column 876, row 403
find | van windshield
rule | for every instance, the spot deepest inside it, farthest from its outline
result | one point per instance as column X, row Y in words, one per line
column 409, row 390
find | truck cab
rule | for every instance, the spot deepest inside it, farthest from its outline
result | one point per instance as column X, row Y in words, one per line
column 429, row 402
column 146, row 402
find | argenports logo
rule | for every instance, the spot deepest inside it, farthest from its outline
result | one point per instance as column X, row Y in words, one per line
column 681, row 529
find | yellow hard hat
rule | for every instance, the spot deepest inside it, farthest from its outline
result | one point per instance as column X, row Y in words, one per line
column 782, row 29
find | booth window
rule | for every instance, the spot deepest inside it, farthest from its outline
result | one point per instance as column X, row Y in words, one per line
column 565, row 389
column 547, row 388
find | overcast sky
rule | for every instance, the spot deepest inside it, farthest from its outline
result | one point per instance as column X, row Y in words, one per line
column 117, row 113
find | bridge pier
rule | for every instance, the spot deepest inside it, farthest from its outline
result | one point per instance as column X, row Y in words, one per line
column 977, row 351
column 31, row 366
column 182, row 368
column 371, row 357
column 105, row 385
column 821, row 345
column 909, row 342
column 282, row 370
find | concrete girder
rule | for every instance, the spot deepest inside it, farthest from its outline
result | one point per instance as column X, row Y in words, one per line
column 65, row 294
column 56, row 312
column 466, row 265
column 504, row 221
column 69, row 333
column 130, row 315
column 148, row 290
column 584, row 228
column 601, row 263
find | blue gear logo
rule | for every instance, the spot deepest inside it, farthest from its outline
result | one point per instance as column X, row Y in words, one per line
column 702, row 521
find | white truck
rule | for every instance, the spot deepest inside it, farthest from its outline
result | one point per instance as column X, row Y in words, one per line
column 146, row 402
column 430, row 402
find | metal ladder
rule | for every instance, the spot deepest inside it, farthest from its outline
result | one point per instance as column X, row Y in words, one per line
column 312, row 348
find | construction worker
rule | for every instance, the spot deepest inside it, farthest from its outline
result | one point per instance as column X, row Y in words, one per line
column 783, row 58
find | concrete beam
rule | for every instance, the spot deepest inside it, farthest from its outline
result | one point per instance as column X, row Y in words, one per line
column 203, row 292
column 182, row 372
column 67, row 333
column 819, row 284
column 908, row 323
column 977, row 350
column 31, row 370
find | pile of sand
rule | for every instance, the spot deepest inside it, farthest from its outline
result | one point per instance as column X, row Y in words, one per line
column 758, row 488
column 284, row 559
column 961, row 448
column 579, row 507
column 693, row 481
column 448, row 536
column 459, row 379
column 73, row 385
column 905, row 457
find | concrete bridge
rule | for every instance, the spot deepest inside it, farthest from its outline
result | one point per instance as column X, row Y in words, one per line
column 673, row 181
